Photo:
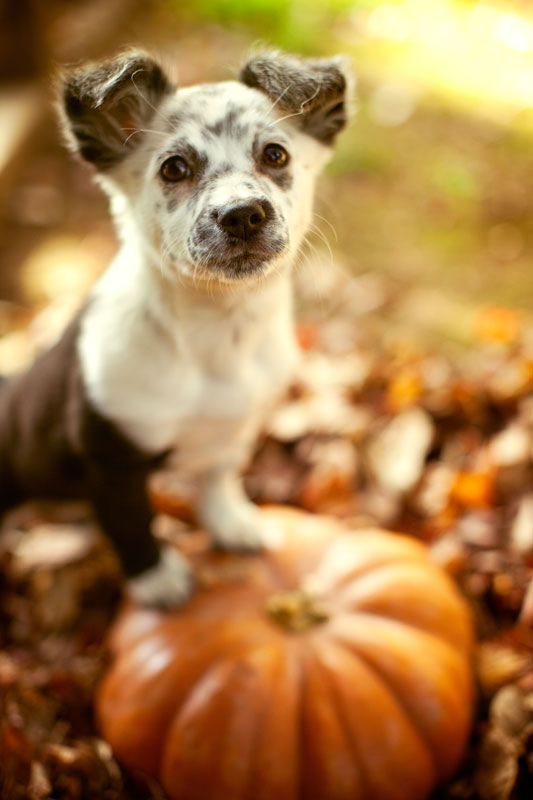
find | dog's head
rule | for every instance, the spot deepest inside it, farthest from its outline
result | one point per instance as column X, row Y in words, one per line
column 217, row 178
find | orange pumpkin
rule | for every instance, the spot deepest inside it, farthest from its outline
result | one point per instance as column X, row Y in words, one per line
column 334, row 666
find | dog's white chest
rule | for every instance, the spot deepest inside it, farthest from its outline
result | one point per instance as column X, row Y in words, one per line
column 203, row 390
column 222, row 406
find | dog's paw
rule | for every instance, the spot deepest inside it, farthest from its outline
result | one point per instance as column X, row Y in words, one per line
column 167, row 585
column 243, row 530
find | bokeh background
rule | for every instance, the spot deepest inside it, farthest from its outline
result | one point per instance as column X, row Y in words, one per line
column 427, row 203
column 413, row 408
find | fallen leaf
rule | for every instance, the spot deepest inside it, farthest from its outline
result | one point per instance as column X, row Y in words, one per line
column 497, row 767
column 473, row 489
column 396, row 454
column 498, row 324
column 498, row 664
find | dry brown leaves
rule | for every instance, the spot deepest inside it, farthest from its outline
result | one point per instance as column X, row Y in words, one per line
column 388, row 435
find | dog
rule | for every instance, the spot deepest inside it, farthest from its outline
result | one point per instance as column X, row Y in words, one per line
column 188, row 336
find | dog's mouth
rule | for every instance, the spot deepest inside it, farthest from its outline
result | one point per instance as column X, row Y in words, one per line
column 237, row 258
column 242, row 259
column 263, row 249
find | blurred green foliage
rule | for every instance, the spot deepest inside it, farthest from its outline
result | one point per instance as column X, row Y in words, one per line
column 302, row 25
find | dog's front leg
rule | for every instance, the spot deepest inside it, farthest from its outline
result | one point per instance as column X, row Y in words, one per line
column 119, row 495
column 234, row 522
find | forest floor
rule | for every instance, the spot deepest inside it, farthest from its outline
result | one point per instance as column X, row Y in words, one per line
column 376, row 433
column 413, row 410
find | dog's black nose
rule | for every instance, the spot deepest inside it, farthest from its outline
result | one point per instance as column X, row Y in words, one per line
column 243, row 221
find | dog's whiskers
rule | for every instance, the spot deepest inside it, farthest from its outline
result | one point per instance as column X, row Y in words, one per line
column 278, row 98
column 304, row 260
column 331, row 226
column 145, row 99
column 141, row 130
column 323, row 238
column 296, row 113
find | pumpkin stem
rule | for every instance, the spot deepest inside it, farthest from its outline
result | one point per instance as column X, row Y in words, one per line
column 296, row 611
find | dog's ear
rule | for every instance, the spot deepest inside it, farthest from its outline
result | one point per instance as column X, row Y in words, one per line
column 104, row 104
column 315, row 91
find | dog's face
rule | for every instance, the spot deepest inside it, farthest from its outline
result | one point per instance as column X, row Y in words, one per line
column 218, row 178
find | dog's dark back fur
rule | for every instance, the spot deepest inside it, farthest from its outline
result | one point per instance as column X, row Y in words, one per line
column 51, row 440
column 34, row 402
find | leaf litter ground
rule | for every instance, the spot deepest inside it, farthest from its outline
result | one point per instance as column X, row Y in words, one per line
column 375, row 429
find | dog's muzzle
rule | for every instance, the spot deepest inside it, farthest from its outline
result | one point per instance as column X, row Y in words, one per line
column 238, row 239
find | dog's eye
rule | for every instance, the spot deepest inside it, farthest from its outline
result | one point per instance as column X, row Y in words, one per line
column 175, row 169
column 274, row 155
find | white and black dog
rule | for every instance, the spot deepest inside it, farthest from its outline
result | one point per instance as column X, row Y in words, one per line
column 188, row 336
